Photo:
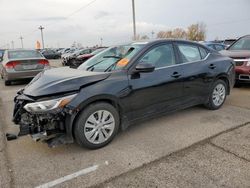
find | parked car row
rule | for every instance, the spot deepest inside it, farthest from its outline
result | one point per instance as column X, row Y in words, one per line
column 69, row 57
column 1, row 54
column 76, row 59
column 215, row 46
column 51, row 54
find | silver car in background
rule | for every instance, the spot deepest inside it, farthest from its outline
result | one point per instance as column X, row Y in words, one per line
column 21, row 64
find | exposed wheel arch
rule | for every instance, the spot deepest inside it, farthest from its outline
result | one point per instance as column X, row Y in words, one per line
column 226, row 80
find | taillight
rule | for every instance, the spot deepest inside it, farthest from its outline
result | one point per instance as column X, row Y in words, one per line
column 44, row 62
column 11, row 64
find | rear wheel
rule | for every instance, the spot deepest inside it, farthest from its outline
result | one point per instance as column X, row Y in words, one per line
column 97, row 125
column 217, row 96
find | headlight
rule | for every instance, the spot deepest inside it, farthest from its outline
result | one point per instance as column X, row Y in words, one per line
column 248, row 63
column 49, row 105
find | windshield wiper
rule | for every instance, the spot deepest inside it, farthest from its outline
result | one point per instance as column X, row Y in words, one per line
column 112, row 65
column 92, row 66
column 112, row 56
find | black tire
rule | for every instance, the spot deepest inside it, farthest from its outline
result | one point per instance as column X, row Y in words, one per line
column 84, row 115
column 210, row 105
column 237, row 85
column 7, row 83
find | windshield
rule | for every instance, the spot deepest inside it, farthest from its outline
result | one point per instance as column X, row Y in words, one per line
column 113, row 58
column 241, row 44
column 24, row 54
column 98, row 51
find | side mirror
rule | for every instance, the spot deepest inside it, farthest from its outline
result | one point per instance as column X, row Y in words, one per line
column 144, row 67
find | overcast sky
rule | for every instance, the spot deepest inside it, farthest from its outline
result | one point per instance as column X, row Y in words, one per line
column 112, row 19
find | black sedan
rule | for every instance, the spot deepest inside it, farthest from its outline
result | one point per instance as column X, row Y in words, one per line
column 120, row 86
column 51, row 54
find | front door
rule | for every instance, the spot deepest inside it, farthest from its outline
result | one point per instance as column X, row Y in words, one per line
column 160, row 90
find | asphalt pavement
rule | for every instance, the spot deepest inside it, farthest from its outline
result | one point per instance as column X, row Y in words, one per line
column 172, row 148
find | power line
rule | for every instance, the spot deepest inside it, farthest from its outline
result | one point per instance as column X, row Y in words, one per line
column 81, row 8
column 73, row 13
column 66, row 17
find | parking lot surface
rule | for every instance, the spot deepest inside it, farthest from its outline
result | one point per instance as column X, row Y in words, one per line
column 25, row 163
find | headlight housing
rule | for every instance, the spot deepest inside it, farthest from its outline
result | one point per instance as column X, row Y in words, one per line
column 248, row 63
column 48, row 105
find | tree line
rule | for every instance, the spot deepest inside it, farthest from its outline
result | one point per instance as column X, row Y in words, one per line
column 195, row 32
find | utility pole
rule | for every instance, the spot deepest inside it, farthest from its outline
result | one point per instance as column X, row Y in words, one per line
column 134, row 23
column 41, row 28
column 21, row 38
column 152, row 33
column 101, row 41
column 12, row 44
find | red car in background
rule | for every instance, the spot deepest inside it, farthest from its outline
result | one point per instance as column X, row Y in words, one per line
column 82, row 58
column 240, row 52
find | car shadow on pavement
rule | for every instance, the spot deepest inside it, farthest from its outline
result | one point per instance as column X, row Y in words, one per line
column 21, row 82
column 242, row 85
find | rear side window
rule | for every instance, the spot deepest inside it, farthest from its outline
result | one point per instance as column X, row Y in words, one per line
column 203, row 52
column 23, row 54
column 189, row 53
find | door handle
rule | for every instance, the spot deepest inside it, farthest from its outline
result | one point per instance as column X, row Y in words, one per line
column 212, row 66
column 176, row 75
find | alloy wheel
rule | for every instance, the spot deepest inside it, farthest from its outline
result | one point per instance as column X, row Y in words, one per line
column 99, row 126
column 219, row 94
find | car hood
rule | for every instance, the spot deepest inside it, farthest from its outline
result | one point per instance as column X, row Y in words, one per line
column 61, row 80
column 236, row 53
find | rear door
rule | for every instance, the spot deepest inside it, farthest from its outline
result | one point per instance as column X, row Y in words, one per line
column 160, row 90
column 197, row 71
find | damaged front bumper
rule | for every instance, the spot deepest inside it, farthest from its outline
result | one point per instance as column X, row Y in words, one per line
column 53, row 127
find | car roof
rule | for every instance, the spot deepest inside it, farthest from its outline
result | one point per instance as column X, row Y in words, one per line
column 151, row 41
column 245, row 36
column 216, row 43
column 156, row 41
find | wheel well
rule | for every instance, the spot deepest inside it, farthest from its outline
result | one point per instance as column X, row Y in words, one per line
column 109, row 101
column 225, row 79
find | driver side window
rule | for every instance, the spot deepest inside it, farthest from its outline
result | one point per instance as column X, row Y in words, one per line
column 160, row 56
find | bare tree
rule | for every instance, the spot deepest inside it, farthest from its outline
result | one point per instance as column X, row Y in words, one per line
column 196, row 32
column 160, row 34
column 165, row 34
column 179, row 33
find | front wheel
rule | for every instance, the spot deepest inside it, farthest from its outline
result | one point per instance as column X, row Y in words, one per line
column 97, row 125
column 217, row 96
